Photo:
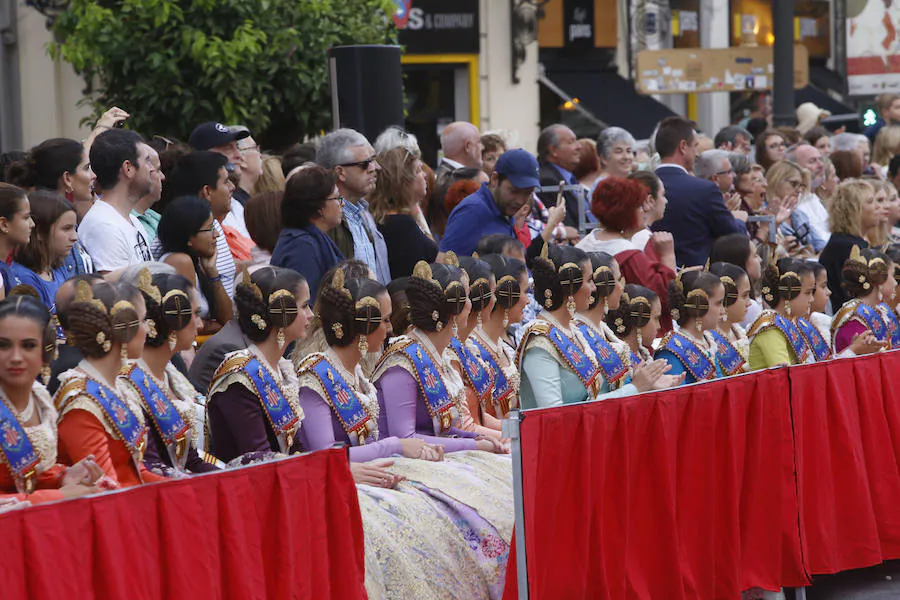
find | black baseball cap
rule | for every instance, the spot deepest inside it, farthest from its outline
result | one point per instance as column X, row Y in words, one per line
column 211, row 134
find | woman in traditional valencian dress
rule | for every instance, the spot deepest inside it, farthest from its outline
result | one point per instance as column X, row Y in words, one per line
column 436, row 559
column 488, row 340
column 167, row 397
column 730, row 339
column 887, row 308
column 252, row 410
column 556, row 362
column 97, row 415
column 696, row 300
column 775, row 340
column 636, row 321
column 863, row 275
column 338, row 402
column 477, row 378
column 418, row 392
column 28, row 434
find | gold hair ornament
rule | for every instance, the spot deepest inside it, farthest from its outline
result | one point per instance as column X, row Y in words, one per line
column 145, row 284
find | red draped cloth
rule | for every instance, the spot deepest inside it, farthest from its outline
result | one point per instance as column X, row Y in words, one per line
column 847, row 426
column 285, row 529
column 687, row 493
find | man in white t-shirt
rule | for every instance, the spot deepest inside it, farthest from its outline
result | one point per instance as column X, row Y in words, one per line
column 109, row 232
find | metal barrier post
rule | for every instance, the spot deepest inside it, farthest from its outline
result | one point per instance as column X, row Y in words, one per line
column 770, row 219
column 583, row 225
column 800, row 593
column 511, row 431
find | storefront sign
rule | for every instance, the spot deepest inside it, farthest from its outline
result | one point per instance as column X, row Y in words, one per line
column 437, row 26
column 579, row 23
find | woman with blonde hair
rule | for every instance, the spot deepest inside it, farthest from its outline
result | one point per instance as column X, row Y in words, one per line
column 851, row 213
column 272, row 178
column 401, row 187
column 887, row 144
column 787, row 183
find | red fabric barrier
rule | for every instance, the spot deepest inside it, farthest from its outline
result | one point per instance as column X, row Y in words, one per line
column 286, row 529
column 847, row 426
column 688, row 493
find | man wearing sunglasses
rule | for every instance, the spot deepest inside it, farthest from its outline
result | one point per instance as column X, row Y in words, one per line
column 349, row 154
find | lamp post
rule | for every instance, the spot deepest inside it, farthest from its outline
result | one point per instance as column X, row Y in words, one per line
column 783, row 62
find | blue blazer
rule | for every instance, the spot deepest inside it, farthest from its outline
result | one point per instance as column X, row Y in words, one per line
column 307, row 251
column 696, row 215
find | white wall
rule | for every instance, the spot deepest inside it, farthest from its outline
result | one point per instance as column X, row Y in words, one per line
column 49, row 89
column 511, row 108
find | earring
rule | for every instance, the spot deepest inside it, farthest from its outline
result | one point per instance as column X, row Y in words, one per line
column 70, row 195
column 640, row 338
column 172, row 341
column 505, row 318
column 478, row 320
column 363, row 345
column 605, row 305
column 45, row 374
column 570, row 306
column 787, row 307
column 454, row 327
column 124, row 353
column 280, row 339
column 699, row 327
column 439, row 326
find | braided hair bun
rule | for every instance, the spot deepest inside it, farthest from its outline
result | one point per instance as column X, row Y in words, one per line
column 480, row 275
column 864, row 270
column 689, row 295
column 601, row 266
column 266, row 301
column 634, row 312
column 781, row 281
column 348, row 309
column 436, row 295
column 168, row 305
column 101, row 315
column 508, row 273
column 729, row 275
column 557, row 275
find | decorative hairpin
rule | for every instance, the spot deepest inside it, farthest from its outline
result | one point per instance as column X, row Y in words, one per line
column 145, row 284
column 451, row 259
column 691, row 300
column 85, row 293
column 245, row 280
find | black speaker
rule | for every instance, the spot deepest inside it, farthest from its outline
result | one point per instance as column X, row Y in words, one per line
column 366, row 88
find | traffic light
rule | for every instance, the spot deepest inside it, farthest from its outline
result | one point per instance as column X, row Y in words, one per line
column 869, row 116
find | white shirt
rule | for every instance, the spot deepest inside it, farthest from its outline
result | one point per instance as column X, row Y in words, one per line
column 235, row 219
column 452, row 163
column 811, row 206
column 113, row 241
column 641, row 238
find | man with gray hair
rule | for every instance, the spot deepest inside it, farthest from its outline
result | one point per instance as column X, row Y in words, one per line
column 715, row 166
column 558, row 154
column 733, row 138
column 352, row 159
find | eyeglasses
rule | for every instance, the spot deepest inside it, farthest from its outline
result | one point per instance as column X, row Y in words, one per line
column 776, row 146
column 797, row 185
column 728, row 172
column 363, row 164
column 250, row 148
column 340, row 200
column 207, row 230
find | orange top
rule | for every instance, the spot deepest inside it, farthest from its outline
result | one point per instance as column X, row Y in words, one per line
column 46, row 490
column 81, row 434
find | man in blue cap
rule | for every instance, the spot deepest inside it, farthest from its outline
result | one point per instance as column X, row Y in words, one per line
column 491, row 208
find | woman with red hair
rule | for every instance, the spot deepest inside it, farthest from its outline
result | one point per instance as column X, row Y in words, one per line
column 619, row 205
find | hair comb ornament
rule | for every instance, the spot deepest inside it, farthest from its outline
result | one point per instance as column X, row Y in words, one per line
column 338, row 283
column 177, row 302
column 692, row 300
column 145, row 284
column 245, row 280
column 85, row 293
column 451, row 259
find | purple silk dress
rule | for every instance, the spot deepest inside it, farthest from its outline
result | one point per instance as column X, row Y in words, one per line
column 404, row 413
column 320, row 429
column 238, row 425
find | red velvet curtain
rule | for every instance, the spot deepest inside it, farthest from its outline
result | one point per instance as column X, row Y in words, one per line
column 286, row 529
column 688, row 493
column 847, row 426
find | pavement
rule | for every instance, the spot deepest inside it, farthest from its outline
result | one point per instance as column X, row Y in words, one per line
column 874, row 583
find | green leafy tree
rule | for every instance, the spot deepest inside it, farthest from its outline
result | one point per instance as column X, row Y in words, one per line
column 175, row 63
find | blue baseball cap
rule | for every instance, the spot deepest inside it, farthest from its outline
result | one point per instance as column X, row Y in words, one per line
column 520, row 167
